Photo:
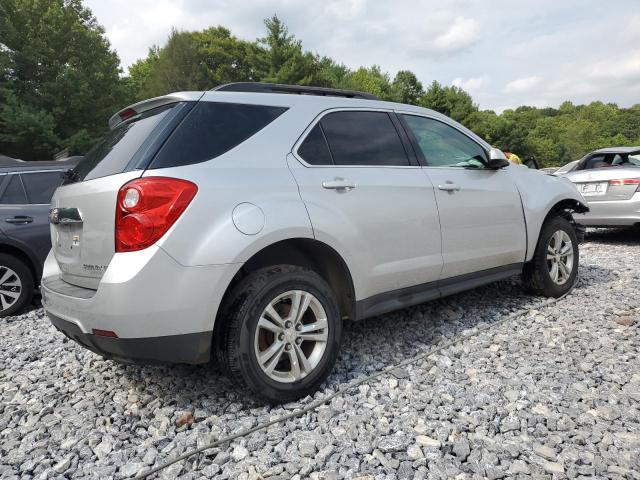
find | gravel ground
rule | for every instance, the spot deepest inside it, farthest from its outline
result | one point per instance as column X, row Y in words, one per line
column 553, row 393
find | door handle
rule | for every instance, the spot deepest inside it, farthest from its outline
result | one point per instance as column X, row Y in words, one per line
column 338, row 184
column 19, row 220
column 449, row 187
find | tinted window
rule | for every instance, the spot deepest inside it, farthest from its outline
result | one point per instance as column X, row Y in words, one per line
column 443, row 145
column 14, row 193
column 363, row 138
column 40, row 186
column 314, row 149
column 113, row 153
column 212, row 129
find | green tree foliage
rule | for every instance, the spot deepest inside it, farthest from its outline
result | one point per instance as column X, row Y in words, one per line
column 59, row 79
column 451, row 101
column 406, row 88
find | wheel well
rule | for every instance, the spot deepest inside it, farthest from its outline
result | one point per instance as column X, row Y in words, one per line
column 311, row 254
column 16, row 252
column 565, row 207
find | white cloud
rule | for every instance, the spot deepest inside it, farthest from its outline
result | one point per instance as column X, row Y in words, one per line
column 524, row 84
column 462, row 34
column 470, row 85
column 528, row 52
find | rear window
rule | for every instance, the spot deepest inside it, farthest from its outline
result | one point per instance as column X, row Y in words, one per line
column 211, row 129
column 115, row 151
column 40, row 186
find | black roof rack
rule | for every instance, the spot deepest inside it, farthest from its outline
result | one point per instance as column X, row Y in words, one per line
column 258, row 87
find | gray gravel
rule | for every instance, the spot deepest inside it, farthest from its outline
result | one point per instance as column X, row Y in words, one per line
column 552, row 394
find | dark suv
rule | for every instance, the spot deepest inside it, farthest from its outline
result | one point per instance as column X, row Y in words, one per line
column 26, row 189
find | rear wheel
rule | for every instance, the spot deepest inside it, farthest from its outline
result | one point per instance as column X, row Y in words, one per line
column 281, row 333
column 16, row 285
column 553, row 269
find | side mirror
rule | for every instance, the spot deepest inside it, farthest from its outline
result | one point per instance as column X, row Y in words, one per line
column 497, row 159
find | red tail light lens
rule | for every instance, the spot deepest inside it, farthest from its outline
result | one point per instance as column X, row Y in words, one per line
column 625, row 181
column 146, row 209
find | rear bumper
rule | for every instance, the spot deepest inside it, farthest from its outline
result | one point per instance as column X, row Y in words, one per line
column 191, row 348
column 160, row 310
column 613, row 213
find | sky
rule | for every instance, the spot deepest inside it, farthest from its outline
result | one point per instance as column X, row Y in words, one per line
column 504, row 53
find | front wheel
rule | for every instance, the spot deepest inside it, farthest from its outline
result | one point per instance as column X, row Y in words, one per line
column 281, row 333
column 553, row 269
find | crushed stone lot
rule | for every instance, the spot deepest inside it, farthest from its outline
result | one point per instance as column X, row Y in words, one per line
column 552, row 393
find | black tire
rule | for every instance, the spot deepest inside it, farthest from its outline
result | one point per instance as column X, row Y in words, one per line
column 25, row 276
column 235, row 334
column 536, row 275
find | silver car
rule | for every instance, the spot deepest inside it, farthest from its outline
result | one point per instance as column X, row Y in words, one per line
column 245, row 224
column 609, row 179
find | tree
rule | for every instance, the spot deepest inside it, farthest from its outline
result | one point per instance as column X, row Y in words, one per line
column 406, row 88
column 59, row 78
column 372, row 80
column 282, row 60
column 451, row 101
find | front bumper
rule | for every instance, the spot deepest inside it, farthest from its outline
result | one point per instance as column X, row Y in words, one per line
column 160, row 310
column 612, row 213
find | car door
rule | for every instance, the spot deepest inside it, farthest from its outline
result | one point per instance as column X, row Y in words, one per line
column 481, row 217
column 368, row 200
column 24, row 207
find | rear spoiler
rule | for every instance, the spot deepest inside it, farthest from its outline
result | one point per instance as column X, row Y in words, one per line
column 143, row 106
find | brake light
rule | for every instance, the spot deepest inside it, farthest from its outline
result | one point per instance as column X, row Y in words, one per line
column 625, row 181
column 127, row 114
column 147, row 207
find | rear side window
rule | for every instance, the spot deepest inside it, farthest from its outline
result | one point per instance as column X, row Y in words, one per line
column 314, row 149
column 112, row 154
column 363, row 138
column 40, row 186
column 14, row 194
column 211, row 129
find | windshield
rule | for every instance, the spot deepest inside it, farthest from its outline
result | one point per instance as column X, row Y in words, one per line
column 567, row 168
column 113, row 153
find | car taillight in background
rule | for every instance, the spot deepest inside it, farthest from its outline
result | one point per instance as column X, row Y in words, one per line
column 626, row 181
column 146, row 209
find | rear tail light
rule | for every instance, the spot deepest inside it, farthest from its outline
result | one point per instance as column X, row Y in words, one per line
column 626, row 181
column 146, row 209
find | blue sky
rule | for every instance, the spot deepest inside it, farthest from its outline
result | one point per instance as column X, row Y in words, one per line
column 505, row 53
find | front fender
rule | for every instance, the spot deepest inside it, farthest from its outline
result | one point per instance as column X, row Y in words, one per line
column 540, row 194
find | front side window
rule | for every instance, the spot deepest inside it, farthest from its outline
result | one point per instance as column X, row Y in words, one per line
column 211, row 129
column 363, row 138
column 443, row 145
column 40, row 186
column 14, row 194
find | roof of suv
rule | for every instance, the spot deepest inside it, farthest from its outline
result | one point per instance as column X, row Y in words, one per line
column 23, row 166
column 284, row 96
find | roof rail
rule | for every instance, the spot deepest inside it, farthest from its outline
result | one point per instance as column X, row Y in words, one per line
column 259, row 87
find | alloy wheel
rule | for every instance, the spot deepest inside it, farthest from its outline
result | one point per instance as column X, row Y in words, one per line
column 10, row 287
column 291, row 336
column 560, row 257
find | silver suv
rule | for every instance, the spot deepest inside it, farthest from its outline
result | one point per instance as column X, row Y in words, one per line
column 247, row 223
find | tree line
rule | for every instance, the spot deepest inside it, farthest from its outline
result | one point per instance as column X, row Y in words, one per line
column 60, row 81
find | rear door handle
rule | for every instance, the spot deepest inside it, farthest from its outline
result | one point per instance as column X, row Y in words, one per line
column 338, row 184
column 449, row 187
column 19, row 220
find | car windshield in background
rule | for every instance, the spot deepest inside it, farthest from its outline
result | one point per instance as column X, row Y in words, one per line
column 612, row 160
column 113, row 153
